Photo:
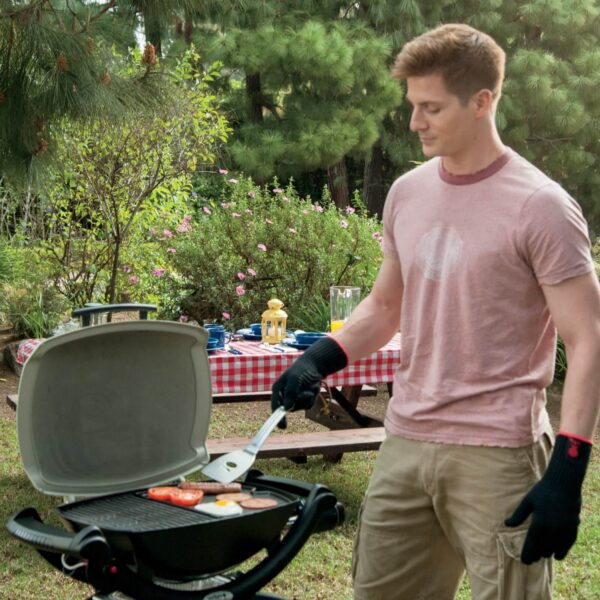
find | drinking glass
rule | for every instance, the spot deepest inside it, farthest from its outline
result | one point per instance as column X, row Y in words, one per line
column 343, row 299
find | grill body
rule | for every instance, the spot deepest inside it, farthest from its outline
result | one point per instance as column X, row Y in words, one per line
column 179, row 542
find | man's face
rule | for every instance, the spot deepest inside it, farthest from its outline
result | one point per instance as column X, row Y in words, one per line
column 446, row 126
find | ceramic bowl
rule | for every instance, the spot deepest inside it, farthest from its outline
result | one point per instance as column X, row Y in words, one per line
column 309, row 337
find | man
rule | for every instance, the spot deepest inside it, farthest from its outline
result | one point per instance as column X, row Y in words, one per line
column 483, row 257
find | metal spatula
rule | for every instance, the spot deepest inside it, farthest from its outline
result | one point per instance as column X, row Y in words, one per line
column 229, row 467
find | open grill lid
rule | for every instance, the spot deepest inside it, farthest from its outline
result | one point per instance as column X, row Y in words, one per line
column 115, row 407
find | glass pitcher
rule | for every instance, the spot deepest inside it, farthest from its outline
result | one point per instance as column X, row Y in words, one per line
column 343, row 299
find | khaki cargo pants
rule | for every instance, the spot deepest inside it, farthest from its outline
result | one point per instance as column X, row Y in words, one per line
column 433, row 511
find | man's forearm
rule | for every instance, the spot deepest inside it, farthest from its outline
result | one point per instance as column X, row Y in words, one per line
column 581, row 393
column 369, row 327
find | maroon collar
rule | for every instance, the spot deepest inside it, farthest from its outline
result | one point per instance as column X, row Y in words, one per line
column 479, row 175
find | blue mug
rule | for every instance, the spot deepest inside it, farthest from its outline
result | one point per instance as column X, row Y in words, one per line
column 217, row 332
column 256, row 328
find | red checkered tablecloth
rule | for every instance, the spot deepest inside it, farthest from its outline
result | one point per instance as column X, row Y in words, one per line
column 256, row 369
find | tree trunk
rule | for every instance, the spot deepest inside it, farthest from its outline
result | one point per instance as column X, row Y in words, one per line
column 337, row 182
column 188, row 29
column 111, row 291
column 374, row 189
column 254, row 91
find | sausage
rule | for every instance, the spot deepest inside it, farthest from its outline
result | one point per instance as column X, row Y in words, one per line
column 211, row 487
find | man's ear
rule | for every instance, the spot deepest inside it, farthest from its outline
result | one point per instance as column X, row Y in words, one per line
column 483, row 101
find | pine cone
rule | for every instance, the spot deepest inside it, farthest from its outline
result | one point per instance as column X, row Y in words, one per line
column 62, row 63
column 41, row 147
column 105, row 78
column 90, row 45
column 149, row 56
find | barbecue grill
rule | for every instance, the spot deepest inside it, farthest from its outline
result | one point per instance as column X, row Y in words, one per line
column 109, row 411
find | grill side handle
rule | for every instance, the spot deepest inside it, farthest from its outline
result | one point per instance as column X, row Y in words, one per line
column 27, row 526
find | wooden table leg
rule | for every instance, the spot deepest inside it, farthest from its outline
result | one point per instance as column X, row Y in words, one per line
column 337, row 410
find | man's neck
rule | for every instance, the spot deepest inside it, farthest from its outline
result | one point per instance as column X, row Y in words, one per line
column 475, row 159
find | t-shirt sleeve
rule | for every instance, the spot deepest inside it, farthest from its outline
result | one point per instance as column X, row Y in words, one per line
column 389, row 208
column 553, row 236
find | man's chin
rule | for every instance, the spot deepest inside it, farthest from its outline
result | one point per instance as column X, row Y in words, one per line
column 429, row 150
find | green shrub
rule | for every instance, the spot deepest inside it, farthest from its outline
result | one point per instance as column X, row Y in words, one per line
column 233, row 256
column 29, row 301
column 11, row 262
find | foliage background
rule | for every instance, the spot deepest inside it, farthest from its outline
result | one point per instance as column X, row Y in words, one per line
column 247, row 244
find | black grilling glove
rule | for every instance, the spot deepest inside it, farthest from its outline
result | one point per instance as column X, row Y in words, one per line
column 554, row 502
column 298, row 387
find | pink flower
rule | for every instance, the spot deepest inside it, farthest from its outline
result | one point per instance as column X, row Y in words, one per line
column 225, row 204
column 261, row 247
column 206, row 210
column 376, row 235
column 239, row 290
column 251, row 271
column 349, row 210
column 158, row 272
column 232, row 180
column 292, row 230
column 343, row 224
column 277, row 190
column 252, row 194
column 286, row 199
column 223, row 171
column 171, row 250
column 168, row 233
column 133, row 279
column 235, row 214
column 318, row 208
column 226, row 316
column 268, row 222
column 126, row 269
column 249, row 211
column 185, row 225
column 152, row 230
column 241, row 276
column 183, row 318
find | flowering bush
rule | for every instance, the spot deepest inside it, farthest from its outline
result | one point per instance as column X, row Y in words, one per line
column 249, row 244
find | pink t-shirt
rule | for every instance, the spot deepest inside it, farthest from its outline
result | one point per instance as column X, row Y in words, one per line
column 477, row 339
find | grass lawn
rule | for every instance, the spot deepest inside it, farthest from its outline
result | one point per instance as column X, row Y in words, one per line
column 322, row 569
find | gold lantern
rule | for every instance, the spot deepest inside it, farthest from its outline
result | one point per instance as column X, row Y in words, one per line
column 273, row 323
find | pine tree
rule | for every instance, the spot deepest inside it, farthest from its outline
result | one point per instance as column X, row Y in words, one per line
column 548, row 112
column 56, row 59
column 315, row 89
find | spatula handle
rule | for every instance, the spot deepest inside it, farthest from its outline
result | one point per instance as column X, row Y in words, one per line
column 263, row 433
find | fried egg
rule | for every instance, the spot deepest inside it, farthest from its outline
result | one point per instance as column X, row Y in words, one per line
column 220, row 508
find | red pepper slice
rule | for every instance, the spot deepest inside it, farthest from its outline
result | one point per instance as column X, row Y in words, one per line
column 163, row 493
column 187, row 497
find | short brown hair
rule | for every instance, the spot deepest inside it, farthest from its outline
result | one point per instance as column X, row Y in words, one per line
column 468, row 60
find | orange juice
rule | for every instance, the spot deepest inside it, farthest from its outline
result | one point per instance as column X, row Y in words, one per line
column 335, row 325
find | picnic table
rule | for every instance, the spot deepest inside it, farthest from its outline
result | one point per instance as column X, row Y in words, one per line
column 251, row 371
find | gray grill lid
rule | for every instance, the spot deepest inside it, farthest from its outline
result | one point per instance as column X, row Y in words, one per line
column 115, row 407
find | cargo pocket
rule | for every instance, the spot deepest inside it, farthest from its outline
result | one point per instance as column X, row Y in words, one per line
column 512, row 573
column 517, row 581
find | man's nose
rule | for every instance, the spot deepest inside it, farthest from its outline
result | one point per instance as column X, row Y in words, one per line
column 417, row 122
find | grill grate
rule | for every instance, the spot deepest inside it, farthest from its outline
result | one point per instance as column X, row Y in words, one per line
column 131, row 513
